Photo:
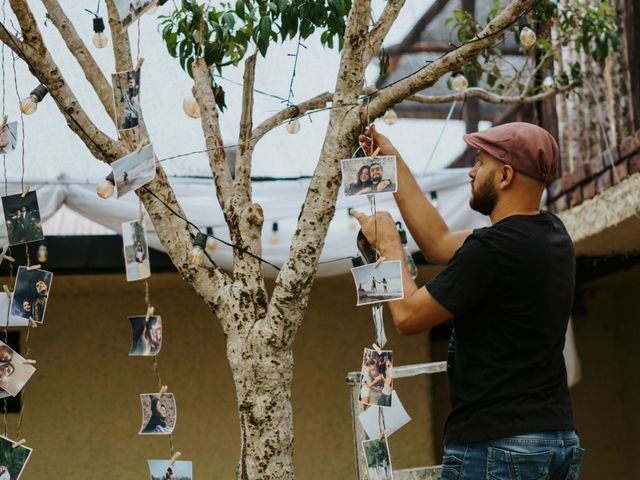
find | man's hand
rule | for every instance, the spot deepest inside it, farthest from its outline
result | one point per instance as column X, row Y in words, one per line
column 381, row 231
column 371, row 140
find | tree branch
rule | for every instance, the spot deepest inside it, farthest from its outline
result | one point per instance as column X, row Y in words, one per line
column 489, row 97
column 120, row 39
column 242, row 193
column 381, row 29
column 78, row 49
column 430, row 74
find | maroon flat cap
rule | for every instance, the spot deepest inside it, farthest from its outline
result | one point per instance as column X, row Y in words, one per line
column 529, row 149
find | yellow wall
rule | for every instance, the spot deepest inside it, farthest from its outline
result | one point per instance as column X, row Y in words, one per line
column 82, row 410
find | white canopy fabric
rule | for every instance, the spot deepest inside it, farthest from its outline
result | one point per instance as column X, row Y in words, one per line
column 281, row 201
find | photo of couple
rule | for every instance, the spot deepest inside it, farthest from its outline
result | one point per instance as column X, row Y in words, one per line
column 22, row 217
column 134, row 170
column 158, row 414
column 136, row 251
column 31, row 293
column 376, row 384
column 12, row 459
column 377, row 284
column 126, row 94
column 369, row 175
column 14, row 372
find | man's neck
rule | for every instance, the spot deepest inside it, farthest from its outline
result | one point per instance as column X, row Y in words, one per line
column 503, row 211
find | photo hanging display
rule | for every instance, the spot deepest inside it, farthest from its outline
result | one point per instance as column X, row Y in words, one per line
column 376, row 383
column 14, row 371
column 134, row 170
column 146, row 334
column 8, row 137
column 22, row 218
column 164, row 470
column 158, row 414
column 136, row 251
column 377, row 284
column 395, row 418
column 30, row 295
column 369, row 175
column 130, row 10
column 13, row 459
column 126, row 95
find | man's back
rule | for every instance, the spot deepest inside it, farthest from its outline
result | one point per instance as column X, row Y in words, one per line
column 510, row 288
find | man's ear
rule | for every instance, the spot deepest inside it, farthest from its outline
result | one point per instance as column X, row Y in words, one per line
column 507, row 174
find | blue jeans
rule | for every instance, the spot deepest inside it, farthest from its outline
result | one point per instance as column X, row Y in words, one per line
column 535, row 456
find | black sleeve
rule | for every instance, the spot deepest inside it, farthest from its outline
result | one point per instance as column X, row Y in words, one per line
column 466, row 278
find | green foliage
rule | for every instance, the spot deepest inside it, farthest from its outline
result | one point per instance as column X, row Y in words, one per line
column 222, row 33
column 376, row 451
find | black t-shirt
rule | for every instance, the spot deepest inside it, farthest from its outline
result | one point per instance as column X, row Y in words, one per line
column 510, row 288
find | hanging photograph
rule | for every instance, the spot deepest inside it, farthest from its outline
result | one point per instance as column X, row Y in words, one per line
column 158, row 414
column 30, row 294
column 134, row 170
column 368, row 252
column 22, row 217
column 146, row 335
column 395, row 418
column 165, row 470
column 126, row 95
column 378, row 459
column 136, row 251
column 6, row 320
column 8, row 140
column 130, row 10
column 369, row 175
column 12, row 459
column 14, row 372
column 376, row 382
column 378, row 322
column 378, row 284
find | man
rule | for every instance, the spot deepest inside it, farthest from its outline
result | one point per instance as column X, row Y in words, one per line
column 41, row 302
column 380, row 184
column 4, row 473
column 509, row 290
column 130, row 99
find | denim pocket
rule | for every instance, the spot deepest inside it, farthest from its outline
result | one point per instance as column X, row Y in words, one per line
column 574, row 467
column 451, row 468
column 506, row 465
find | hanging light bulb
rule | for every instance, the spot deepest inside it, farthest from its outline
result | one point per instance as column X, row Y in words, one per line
column 390, row 117
column 293, row 126
column 275, row 238
column 43, row 253
column 548, row 83
column 29, row 105
column 106, row 188
column 190, row 107
column 100, row 40
column 460, row 82
column 527, row 38
column 197, row 252
column 211, row 242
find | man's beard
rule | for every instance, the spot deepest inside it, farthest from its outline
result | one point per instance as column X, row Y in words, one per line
column 485, row 198
column 376, row 179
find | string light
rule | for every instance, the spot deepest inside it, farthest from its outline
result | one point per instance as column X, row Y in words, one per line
column 390, row 116
column 275, row 238
column 211, row 241
column 197, row 252
column 527, row 38
column 100, row 39
column 29, row 105
column 106, row 188
column 293, row 126
column 460, row 82
column 43, row 253
column 548, row 83
column 190, row 107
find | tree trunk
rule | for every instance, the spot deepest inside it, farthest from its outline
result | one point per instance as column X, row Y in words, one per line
column 262, row 374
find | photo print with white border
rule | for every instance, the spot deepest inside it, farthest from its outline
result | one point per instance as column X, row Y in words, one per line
column 14, row 372
column 376, row 453
column 12, row 460
column 134, row 170
column 8, row 137
column 158, row 414
column 130, row 10
column 165, row 470
column 378, row 284
column 395, row 418
column 22, row 218
column 30, row 294
column 376, row 383
column 369, row 175
column 136, row 251
column 6, row 320
column 146, row 335
column 368, row 252
column 126, row 97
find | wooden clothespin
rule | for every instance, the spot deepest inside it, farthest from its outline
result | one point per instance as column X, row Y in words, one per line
column 383, row 432
column 25, row 190
column 18, row 443
column 162, row 391
column 29, row 361
column 174, row 458
column 32, row 323
column 376, row 348
column 9, row 258
column 139, row 64
column 375, row 153
column 7, row 290
column 5, row 119
column 141, row 145
column 34, row 267
column 379, row 261
column 149, row 313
